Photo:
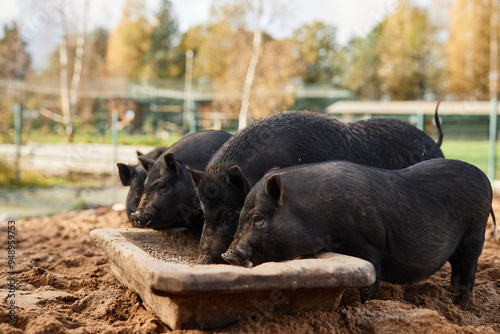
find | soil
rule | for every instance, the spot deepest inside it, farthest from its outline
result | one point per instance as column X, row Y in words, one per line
column 64, row 285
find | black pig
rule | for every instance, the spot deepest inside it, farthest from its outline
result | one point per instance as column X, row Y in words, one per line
column 406, row 222
column 289, row 139
column 154, row 154
column 134, row 176
column 169, row 198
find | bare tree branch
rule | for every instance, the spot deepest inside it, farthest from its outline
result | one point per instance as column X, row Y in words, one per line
column 80, row 44
column 51, row 115
column 69, row 91
column 63, row 74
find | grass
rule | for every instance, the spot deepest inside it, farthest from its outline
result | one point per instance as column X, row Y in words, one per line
column 474, row 152
column 80, row 205
column 35, row 179
column 32, row 179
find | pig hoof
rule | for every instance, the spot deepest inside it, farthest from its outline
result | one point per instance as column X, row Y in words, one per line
column 231, row 258
column 247, row 264
column 464, row 302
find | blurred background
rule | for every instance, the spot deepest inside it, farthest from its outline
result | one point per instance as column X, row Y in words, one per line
column 86, row 83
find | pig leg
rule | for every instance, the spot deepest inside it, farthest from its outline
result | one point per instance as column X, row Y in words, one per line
column 455, row 272
column 466, row 256
column 369, row 292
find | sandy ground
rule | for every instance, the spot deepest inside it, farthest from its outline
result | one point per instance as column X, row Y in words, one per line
column 65, row 286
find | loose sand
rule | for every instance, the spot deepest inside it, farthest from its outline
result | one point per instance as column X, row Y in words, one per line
column 65, row 286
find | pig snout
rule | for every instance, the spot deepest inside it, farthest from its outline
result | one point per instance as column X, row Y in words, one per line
column 237, row 258
column 139, row 219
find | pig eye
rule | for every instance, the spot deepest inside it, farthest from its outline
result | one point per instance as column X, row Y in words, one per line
column 258, row 220
column 162, row 185
column 138, row 193
column 231, row 215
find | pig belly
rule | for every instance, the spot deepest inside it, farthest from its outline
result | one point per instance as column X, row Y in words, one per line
column 413, row 268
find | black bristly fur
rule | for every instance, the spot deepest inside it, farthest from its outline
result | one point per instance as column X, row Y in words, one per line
column 289, row 139
column 408, row 223
column 169, row 198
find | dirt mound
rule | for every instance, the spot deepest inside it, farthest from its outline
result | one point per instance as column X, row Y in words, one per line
column 65, row 286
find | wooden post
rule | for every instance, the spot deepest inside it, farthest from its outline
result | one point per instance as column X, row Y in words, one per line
column 493, row 89
column 114, row 140
column 420, row 120
column 189, row 120
column 17, row 109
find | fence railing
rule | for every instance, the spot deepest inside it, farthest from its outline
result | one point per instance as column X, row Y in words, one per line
column 61, row 159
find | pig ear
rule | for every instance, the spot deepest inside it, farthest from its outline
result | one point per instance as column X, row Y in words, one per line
column 196, row 175
column 172, row 164
column 274, row 189
column 139, row 154
column 235, row 177
column 146, row 163
column 126, row 173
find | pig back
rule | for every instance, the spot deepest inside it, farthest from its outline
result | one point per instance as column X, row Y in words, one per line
column 195, row 150
column 390, row 143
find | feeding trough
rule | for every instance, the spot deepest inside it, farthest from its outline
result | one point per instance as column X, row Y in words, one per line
column 159, row 266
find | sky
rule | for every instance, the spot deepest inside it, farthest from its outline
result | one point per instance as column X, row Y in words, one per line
column 37, row 17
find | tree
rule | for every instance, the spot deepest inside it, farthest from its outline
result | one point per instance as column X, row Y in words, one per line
column 14, row 65
column 363, row 62
column 159, row 55
column 14, row 59
column 98, row 44
column 95, row 49
column 69, row 87
column 405, row 53
column 68, row 63
column 190, row 40
column 129, row 43
column 468, row 49
column 223, row 52
column 399, row 59
column 318, row 49
column 274, row 88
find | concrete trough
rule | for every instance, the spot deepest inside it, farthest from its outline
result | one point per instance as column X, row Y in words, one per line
column 192, row 296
